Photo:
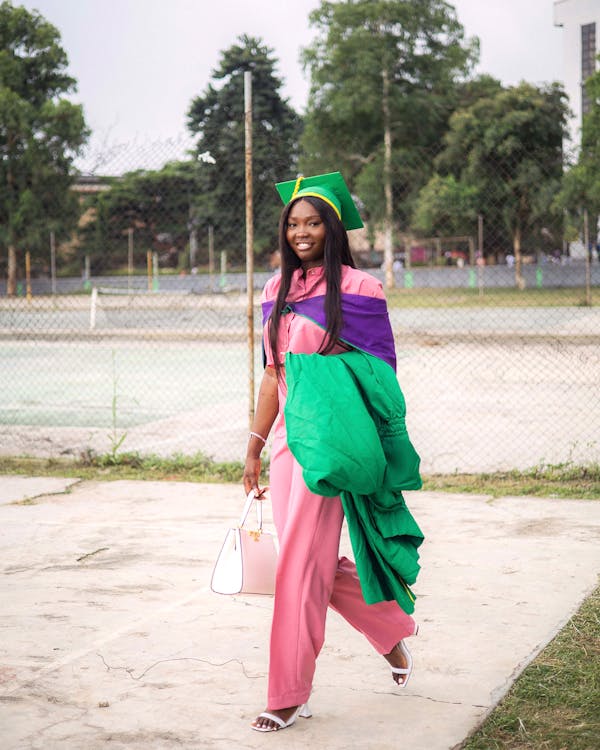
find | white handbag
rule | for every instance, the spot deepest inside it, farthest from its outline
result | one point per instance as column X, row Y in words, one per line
column 248, row 558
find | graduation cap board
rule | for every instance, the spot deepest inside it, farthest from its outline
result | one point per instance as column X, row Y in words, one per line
column 330, row 188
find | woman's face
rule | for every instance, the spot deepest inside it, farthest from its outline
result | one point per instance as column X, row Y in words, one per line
column 305, row 234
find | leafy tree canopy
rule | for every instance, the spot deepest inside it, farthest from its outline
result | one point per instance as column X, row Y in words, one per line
column 507, row 147
column 420, row 47
column 41, row 133
column 446, row 206
column 155, row 205
column 217, row 117
column 581, row 186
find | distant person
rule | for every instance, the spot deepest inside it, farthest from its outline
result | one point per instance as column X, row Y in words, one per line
column 322, row 304
column 510, row 260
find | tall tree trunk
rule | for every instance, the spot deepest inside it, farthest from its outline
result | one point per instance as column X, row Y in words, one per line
column 519, row 280
column 11, row 286
column 388, row 248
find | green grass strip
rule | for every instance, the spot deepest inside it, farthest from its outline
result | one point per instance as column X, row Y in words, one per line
column 555, row 703
column 109, row 467
column 566, row 480
column 491, row 297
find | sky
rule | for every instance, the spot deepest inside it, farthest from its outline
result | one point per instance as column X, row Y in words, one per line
column 139, row 63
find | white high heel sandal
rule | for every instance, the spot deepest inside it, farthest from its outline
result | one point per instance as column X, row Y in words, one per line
column 303, row 711
column 406, row 671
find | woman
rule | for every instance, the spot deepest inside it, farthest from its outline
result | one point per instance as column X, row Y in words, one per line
column 317, row 271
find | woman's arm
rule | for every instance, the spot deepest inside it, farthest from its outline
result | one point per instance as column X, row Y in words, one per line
column 267, row 408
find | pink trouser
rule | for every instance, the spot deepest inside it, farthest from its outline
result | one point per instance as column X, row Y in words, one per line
column 310, row 577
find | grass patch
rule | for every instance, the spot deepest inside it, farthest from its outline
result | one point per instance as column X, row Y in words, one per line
column 492, row 297
column 566, row 480
column 554, row 703
column 561, row 480
column 194, row 468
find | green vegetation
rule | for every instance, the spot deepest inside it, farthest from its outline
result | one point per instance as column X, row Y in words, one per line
column 216, row 118
column 491, row 297
column 178, row 468
column 154, row 205
column 41, row 133
column 377, row 69
column 503, row 159
column 565, row 480
column 581, row 186
column 561, row 480
column 554, row 703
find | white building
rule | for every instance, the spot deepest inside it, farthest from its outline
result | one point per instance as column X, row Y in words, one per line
column 580, row 20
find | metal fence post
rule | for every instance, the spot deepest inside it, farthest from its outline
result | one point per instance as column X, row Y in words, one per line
column 249, row 241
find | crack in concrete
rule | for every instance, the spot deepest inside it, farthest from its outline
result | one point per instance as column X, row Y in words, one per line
column 429, row 698
column 130, row 670
column 90, row 554
column 66, row 491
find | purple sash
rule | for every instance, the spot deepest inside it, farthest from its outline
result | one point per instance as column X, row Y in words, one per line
column 366, row 323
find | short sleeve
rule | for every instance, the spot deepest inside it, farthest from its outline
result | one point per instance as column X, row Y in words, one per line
column 270, row 289
column 269, row 293
column 268, row 359
column 369, row 286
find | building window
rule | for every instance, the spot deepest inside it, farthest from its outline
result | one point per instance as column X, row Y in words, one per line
column 588, row 61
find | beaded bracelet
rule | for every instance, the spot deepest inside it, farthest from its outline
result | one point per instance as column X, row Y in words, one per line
column 256, row 435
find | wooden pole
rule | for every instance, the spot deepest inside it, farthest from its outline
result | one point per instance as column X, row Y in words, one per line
column 211, row 257
column 28, row 275
column 129, row 257
column 53, row 261
column 481, row 257
column 588, row 269
column 149, row 269
column 249, row 240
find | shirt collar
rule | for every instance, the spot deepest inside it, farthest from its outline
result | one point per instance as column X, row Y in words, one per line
column 311, row 274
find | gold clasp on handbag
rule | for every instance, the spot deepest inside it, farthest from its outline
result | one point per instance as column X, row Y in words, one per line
column 255, row 534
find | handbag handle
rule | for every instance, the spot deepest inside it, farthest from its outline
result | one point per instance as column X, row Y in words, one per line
column 251, row 498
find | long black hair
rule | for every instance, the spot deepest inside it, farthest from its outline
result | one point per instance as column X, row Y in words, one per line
column 336, row 253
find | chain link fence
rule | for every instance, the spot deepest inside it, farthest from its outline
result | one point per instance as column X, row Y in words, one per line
column 139, row 341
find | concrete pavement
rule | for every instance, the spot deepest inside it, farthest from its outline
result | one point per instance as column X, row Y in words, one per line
column 112, row 638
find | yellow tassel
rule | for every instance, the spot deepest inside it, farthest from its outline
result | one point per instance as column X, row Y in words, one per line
column 297, row 186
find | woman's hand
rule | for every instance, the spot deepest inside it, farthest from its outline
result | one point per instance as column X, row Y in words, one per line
column 266, row 412
column 252, row 475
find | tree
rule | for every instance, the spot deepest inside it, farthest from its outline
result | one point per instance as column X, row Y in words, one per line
column 383, row 75
column 446, row 206
column 41, row 133
column 217, row 117
column 581, row 185
column 508, row 147
column 157, row 206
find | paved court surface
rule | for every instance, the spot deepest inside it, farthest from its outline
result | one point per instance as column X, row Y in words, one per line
column 470, row 407
column 111, row 637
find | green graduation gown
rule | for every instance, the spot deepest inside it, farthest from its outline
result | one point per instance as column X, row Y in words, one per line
column 345, row 421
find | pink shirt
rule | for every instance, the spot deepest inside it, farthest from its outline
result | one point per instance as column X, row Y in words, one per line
column 299, row 335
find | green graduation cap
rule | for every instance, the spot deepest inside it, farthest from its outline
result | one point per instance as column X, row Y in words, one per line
column 330, row 188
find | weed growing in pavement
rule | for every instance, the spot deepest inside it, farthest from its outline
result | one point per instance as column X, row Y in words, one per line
column 116, row 439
